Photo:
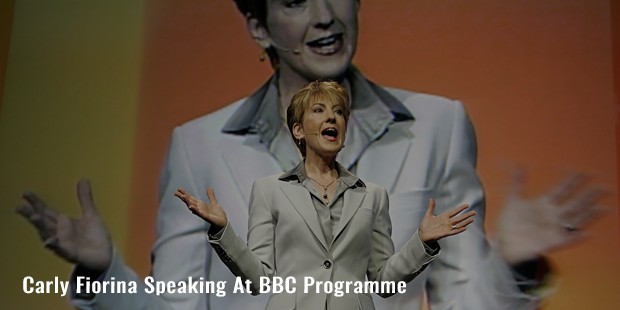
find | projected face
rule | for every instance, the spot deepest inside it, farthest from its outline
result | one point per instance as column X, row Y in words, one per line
column 314, row 39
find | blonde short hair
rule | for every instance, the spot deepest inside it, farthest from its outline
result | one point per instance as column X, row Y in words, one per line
column 309, row 94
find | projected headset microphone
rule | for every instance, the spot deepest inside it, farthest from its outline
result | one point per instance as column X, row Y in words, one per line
column 295, row 51
column 318, row 134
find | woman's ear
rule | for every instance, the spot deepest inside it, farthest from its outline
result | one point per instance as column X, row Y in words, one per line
column 298, row 132
column 258, row 32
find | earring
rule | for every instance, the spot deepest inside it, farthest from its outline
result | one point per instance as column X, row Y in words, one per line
column 263, row 56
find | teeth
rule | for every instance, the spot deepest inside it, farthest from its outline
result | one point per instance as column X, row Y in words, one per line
column 330, row 40
column 326, row 50
column 327, row 41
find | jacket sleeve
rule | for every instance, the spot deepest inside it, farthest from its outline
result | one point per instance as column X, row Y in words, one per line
column 384, row 264
column 256, row 259
column 468, row 274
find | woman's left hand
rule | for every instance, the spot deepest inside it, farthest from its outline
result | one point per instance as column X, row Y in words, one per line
column 433, row 228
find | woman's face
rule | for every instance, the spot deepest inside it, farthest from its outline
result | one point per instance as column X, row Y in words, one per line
column 314, row 39
column 323, row 127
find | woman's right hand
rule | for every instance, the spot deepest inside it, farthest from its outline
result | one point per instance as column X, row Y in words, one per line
column 211, row 212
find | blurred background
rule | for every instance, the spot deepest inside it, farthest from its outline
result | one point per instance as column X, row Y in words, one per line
column 94, row 89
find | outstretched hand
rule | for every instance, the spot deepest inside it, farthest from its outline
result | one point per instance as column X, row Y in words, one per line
column 211, row 212
column 529, row 228
column 83, row 241
column 433, row 228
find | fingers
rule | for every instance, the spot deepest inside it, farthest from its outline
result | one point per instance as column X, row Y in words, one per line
column 431, row 207
column 211, row 195
column 580, row 205
column 587, row 199
column 40, row 216
column 186, row 197
column 460, row 223
column 85, row 197
column 463, row 217
column 36, row 211
column 581, row 219
column 180, row 193
column 37, row 204
column 463, row 224
column 456, row 231
column 566, row 188
column 210, row 212
column 457, row 210
column 446, row 224
column 194, row 208
column 183, row 195
column 29, row 213
column 189, row 199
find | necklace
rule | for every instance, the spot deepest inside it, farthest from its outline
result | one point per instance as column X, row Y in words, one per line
column 325, row 187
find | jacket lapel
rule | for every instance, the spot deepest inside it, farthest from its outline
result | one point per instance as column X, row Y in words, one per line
column 248, row 163
column 378, row 136
column 382, row 162
column 299, row 197
column 352, row 201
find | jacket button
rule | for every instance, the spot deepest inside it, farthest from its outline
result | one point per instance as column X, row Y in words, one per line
column 327, row 264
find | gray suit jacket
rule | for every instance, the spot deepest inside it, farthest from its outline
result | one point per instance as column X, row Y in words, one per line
column 285, row 240
column 432, row 156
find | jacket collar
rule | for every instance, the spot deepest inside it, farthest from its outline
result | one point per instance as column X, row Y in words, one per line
column 299, row 174
column 259, row 113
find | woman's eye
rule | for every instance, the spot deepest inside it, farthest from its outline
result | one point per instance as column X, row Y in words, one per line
column 294, row 3
column 339, row 112
column 317, row 110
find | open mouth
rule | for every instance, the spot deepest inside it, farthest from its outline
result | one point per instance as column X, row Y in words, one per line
column 330, row 134
column 326, row 45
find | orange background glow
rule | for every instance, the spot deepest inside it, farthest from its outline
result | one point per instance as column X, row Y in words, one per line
column 95, row 89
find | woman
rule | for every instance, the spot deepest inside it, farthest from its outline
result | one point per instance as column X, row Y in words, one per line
column 320, row 220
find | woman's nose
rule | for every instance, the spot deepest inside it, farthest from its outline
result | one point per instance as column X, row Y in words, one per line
column 323, row 14
column 331, row 117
